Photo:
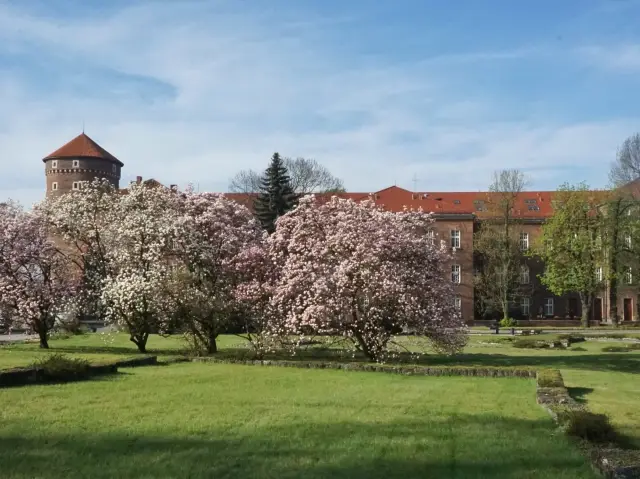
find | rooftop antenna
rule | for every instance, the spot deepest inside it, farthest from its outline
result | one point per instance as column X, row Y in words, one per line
column 415, row 182
column 83, row 126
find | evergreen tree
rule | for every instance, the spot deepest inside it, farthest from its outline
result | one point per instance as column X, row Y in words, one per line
column 276, row 196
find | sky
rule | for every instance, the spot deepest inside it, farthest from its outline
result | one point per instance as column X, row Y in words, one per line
column 427, row 95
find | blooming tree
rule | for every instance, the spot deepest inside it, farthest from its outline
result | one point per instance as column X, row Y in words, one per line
column 37, row 281
column 139, row 253
column 213, row 233
column 353, row 269
column 81, row 222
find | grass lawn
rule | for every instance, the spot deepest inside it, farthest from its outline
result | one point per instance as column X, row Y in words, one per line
column 207, row 420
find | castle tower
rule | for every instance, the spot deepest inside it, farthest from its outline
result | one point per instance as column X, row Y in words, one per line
column 78, row 162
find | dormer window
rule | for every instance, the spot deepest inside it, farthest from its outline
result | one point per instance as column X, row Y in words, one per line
column 54, row 164
column 76, row 163
column 456, row 202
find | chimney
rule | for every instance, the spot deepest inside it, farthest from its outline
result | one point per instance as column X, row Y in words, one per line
column 138, row 179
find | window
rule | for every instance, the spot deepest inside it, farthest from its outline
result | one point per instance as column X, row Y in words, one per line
column 524, row 241
column 524, row 274
column 479, row 205
column 456, row 202
column 431, row 237
column 628, row 276
column 525, row 306
column 114, row 168
column 627, row 241
column 457, row 302
column 548, row 307
column 455, row 238
column 75, row 185
column 533, row 208
column 76, row 163
column 455, row 273
column 54, row 186
column 599, row 273
column 54, row 164
column 530, row 201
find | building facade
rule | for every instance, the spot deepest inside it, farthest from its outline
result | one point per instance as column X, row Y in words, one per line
column 457, row 217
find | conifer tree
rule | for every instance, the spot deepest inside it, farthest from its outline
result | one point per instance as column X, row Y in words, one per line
column 276, row 195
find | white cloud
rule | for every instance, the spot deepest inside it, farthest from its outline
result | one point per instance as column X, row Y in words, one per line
column 624, row 57
column 238, row 86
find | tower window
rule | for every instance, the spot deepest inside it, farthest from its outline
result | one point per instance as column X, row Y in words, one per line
column 75, row 185
column 54, row 186
column 54, row 164
column 76, row 163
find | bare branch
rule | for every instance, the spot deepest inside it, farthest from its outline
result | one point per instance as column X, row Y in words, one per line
column 626, row 168
column 245, row 181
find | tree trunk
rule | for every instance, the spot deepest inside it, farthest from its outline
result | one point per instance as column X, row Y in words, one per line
column 585, row 301
column 140, row 341
column 44, row 340
column 212, row 346
column 613, row 298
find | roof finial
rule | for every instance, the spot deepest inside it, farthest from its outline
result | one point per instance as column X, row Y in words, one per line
column 83, row 126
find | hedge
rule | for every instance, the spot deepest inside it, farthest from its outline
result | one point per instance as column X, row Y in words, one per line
column 394, row 369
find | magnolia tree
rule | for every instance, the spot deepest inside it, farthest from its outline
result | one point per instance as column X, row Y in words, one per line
column 257, row 319
column 37, row 281
column 214, row 233
column 141, row 267
column 353, row 269
column 81, row 221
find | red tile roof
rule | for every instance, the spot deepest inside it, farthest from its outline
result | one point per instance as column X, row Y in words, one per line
column 84, row 147
column 529, row 204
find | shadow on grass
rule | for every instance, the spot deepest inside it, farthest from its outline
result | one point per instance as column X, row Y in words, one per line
column 118, row 350
column 458, row 446
column 579, row 393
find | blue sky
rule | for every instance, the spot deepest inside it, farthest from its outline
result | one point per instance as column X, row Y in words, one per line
column 193, row 91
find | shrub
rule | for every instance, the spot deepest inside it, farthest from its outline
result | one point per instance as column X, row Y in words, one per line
column 507, row 322
column 550, row 378
column 586, row 425
column 572, row 338
column 58, row 367
column 579, row 348
column 530, row 344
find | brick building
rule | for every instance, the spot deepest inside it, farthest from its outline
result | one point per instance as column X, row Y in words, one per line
column 457, row 215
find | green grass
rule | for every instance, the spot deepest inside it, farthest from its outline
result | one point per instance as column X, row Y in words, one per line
column 205, row 420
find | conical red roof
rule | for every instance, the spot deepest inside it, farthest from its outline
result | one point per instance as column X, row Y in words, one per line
column 82, row 146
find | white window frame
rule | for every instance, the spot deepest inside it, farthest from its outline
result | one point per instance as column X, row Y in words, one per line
column 548, row 307
column 54, row 164
column 628, row 276
column 524, row 241
column 456, row 237
column 457, row 303
column 75, row 185
column 525, row 274
column 54, row 186
column 75, row 164
column 456, row 274
column 525, row 306
column 599, row 274
column 431, row 236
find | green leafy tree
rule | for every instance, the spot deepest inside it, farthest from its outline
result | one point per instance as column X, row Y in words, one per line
column 276, row 195
column 571, row 245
